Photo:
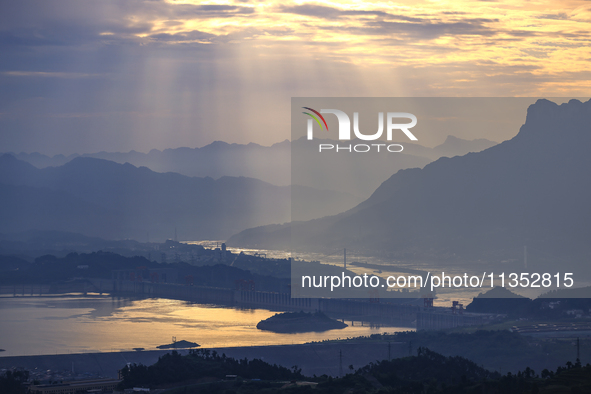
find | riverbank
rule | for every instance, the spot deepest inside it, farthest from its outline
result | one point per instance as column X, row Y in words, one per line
column 313, row 359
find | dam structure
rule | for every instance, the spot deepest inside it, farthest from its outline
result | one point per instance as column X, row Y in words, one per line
column 386, row 312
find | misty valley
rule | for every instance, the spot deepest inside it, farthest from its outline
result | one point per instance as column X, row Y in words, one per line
column 224, row 269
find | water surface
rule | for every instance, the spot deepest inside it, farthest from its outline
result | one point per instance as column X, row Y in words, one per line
column 101, row 323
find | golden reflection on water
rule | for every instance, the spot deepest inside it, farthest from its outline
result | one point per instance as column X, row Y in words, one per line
column 73, row 324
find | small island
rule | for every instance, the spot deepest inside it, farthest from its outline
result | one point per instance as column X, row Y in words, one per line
column 294, row 322
column 179, row 345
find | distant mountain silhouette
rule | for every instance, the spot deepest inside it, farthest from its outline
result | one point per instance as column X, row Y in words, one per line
column 101, row 198
column 271, row 164
column 215, row 160
column 531, row 190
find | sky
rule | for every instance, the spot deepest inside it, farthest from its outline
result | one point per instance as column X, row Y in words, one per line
column 119, row 75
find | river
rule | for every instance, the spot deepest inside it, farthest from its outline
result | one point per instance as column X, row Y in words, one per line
column 444, row 297
column 74, row 323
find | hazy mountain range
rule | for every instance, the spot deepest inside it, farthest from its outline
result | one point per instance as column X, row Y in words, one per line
column 205, row 193
column 102, row 198
column 531, row 190
column 270, row 164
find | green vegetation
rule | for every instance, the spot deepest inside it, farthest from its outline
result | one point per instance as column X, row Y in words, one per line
column 200, row 364
column 292, row 322
column 426, row 373
column 11, row 382
column 48, row 269
column 179, row 345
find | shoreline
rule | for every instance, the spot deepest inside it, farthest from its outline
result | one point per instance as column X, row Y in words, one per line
column 314, row 358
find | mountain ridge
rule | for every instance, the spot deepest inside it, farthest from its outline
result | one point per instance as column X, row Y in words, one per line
column 115, row 201
column 252, row 160
column 480, row 205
